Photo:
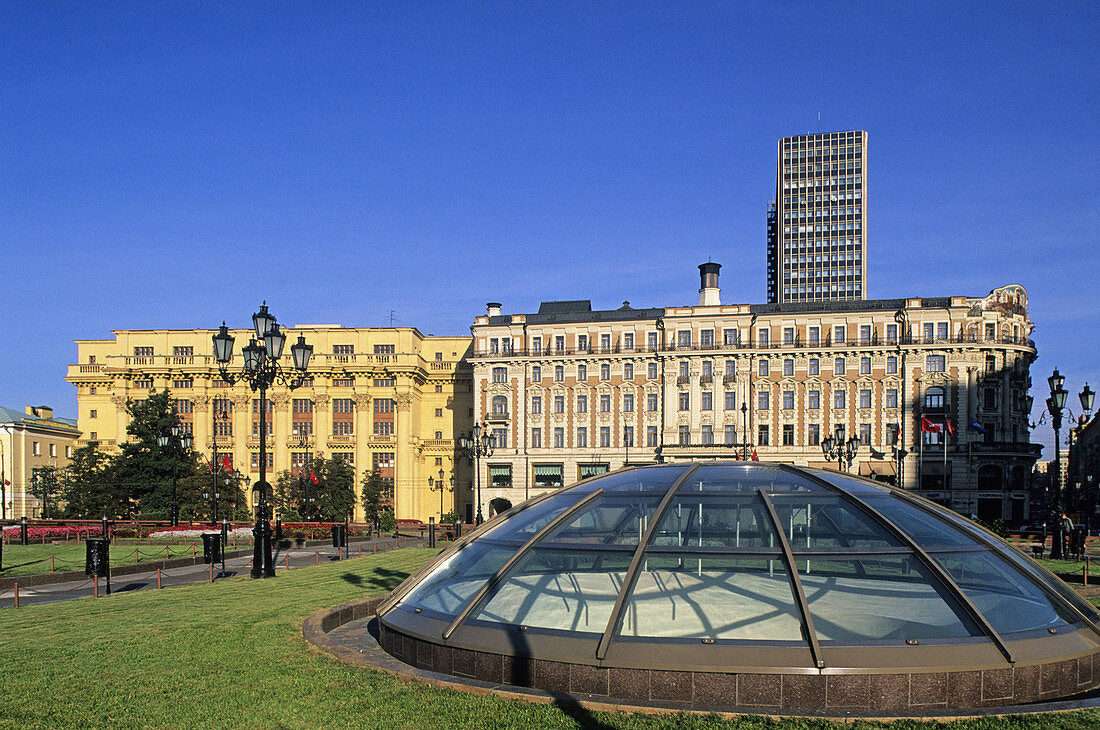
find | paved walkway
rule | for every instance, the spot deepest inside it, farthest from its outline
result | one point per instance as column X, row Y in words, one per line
column 287, row 558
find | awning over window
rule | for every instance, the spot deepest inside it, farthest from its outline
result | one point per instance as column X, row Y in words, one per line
column 548, row 475
column 593, row 470
column 500, row 471
column 878, row 468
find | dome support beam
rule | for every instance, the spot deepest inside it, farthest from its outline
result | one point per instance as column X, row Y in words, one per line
column 796, row 583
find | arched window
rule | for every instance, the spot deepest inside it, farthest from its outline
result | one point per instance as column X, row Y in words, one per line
column 934, row 399
column 500, row 405
column 989, row 477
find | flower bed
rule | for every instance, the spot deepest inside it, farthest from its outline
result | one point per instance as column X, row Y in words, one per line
column 54, row 532
column 189, row 531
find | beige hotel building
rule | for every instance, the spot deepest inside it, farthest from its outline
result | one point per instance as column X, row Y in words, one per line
column 390, row 399
column 571, row 392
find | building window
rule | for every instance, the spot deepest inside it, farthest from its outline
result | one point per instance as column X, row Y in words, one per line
column 706, row 402
column 708, row 369
column 144, row 384
column 548, row 475
column 91, row 390
column 685, row 401
column 762, row 439
column 891, row 365
column 303, row 405
column 297, row 428
column 990, row 398
column 762, row 368
column 183, row 383
column 438, row 388
column 813, row 435
column 582, row 372
column 706, row 338
column 729, row 336
column 256, row 461
column 651, row 402
column 536, row 344
column 500, row 476
column 731, row 400
column 762, row 400
column 865, row 398
column 536, row 404
column 582, row 404
column 788, row 399
column 559, row 373
column 891, row 397
column 93, row 413
column 559, row 404
column 865, row 434
column 605, row 372
column 865, row 334
column 559, row 438
column 788, row 335
column 814, row 398
column 685, row 369
column 934, row 398
column 383, row 460
column 68, row 452
column 941, row 331
column 582, row 437
column 892, row 334
column 536, row 438
column 628, row 371
column 605, row 437
column 93, row 436
column 815, row 335
column 628, row 340
column 814, row 367
column 341, row 405
column 143, row 352
column 378, row 383
column 500, row 438
column 499, row 406
column 345, row 428
column 731, row 434
column 439, row 412
column 840, row 335
column 536, row 373
column 788, row 367
column 500, row 375
column 628, row 402
column 683, row 338
column 929, row 331
column 788, row 434
column 935, row 363
column 382, row 405
column 343, row 382
column 707, row 436
column 838, row 398
column 651, row 436
column 731, row 368
column 559, row 343
column 582, row 343
column 182, row 406
column 685, row 436
column 865, row 366
column 838, row 366
column 651, row 341
column 628, row 436
column 763, row 337
column 605, row 404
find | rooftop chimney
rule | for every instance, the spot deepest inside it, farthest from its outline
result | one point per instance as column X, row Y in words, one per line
column 708, row 285
column 493, row 309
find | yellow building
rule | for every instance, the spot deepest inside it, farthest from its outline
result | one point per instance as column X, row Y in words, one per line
column 28, row 440
column 380, row 398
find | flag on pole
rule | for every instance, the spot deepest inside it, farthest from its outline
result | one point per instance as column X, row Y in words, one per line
column 949, row 426
column 227, row 463
column 313, row 477
column 930, row 427
column 737, row 456
column 754, row 457
column 975, row 426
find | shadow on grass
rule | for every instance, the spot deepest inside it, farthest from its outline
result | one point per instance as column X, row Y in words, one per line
column 579, row 715
column 383, row 578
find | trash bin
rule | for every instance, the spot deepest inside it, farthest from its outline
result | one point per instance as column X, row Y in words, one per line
column 97, row 560
column 339, row 536
column 211, row 547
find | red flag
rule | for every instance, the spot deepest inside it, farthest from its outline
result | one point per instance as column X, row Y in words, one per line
column 929, row 427
column 227, row 463
column 949, row 426
column 313, row 477
column 754, row 457
column 737, row 457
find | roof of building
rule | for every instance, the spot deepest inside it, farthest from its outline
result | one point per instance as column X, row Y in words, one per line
column 12, row 416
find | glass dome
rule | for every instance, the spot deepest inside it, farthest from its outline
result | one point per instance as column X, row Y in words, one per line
column 735, row 568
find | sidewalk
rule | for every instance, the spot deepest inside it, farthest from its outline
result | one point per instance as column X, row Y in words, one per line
column 65, row 588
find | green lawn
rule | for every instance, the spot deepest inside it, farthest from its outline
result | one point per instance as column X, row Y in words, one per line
column 230, row 654
column 30, row 559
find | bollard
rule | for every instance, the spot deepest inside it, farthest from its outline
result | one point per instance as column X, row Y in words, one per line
column 135, row 555
column 158, row 577
column 316, row 557
column 51, row 563
column 165, row 552
column 431, row 532
column 16, row 587
column 1087, row 563
column 288, row 561
column 374, row 549
column 360, row 550
column 23, row 529
column 211, row 572
column 95, row 586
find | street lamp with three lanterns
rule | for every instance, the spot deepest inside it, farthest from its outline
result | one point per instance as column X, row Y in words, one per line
column 261, row 371
column 181, row 441
column 475, row 445
column 835, row 448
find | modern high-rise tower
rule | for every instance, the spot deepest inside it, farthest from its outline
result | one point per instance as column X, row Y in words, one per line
column 817, row 226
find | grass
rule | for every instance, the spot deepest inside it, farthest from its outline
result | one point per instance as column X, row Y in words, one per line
column 230, row 654
column 1071, row 568
column 31, row 559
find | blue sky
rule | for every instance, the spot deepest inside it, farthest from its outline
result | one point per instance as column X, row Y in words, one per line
column 172, row 164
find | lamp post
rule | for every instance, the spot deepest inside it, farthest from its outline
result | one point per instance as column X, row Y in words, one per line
column 744, row 431
column 213, row 494
column 181, row 442
column 1055, row 403
column 475, row 445
column 901, row 317
column 438, row 485
column 839, row 450
column 899, row 452
column 219, row 414
column 261, row 371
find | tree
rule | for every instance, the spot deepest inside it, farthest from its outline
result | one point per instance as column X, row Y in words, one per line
column 335, row 501
column 89, row 488
column 375, row 492
column 144, row 470
column 46, row 485
column 194, row 493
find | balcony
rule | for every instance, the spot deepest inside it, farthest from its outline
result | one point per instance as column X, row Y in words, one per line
column 706, row 379
column 683, row 379
column 497, row 416
column 729, row 379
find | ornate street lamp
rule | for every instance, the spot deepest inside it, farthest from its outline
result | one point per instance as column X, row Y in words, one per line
column 438, row 485
column 475, row 445
column 1055, row 403
column 839, row 450
column 219, row 414
column 261, row 371
column 181, row 443
column 744, row 431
